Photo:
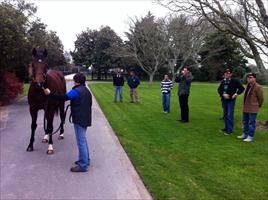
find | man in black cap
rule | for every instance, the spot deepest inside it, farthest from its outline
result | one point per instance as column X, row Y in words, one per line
column 81, row 102
column 228, row 91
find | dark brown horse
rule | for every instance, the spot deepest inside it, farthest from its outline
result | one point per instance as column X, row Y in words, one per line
column 42, row 77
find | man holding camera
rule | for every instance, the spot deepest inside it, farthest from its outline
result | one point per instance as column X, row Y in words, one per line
column 184, row 79
column 228, row 90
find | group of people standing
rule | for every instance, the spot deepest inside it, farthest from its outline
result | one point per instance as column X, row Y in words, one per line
column 133, row 82
column 184, row 78
column 228, row 90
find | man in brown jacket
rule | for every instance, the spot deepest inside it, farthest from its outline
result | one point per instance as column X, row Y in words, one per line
column 253, row 100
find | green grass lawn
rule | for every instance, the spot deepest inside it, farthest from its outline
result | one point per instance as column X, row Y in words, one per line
column 188, row 161
column 25, row 89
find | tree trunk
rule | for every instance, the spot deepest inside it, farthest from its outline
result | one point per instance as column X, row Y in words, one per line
column 258, row 61
column 151, row 78
column 99, row 74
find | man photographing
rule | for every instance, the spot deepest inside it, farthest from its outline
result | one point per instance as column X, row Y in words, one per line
column 184, row 79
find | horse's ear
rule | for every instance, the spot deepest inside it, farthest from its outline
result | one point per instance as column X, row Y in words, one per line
column 34, row 52
column 45, row 53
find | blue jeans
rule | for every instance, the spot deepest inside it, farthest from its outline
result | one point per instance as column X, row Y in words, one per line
column 228, row 111
column 249, row 124
column 116, row 90
column 83, row 160
column 166, row 102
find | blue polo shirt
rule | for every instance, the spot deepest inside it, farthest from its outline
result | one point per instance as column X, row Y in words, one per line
column 73, row 94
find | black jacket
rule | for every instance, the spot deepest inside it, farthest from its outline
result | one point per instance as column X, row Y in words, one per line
column 234, row 86
column 81, row 108
column 118, row 81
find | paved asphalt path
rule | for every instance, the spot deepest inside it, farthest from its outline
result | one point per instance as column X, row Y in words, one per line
column 36, row 175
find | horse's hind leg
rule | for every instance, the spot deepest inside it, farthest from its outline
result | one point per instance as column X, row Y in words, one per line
column 33, row 128
column 62, row 119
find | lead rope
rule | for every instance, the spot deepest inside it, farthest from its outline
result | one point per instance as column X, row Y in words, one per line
column 62, row 123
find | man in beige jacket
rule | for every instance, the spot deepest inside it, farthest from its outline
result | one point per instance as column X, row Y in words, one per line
column 253, row 100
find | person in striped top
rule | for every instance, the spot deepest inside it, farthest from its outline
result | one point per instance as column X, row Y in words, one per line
column 166, row 86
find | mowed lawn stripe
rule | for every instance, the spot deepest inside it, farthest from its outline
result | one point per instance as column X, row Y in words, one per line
column 188, row 161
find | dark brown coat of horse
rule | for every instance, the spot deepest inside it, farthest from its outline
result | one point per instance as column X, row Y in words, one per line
column 42, row 77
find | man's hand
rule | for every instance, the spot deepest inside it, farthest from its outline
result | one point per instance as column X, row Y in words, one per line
column 226, row 96
column 234, row 96
column 46, row 91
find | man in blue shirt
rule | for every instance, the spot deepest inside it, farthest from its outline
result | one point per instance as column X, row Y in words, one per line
column 133, row 82
column 81, row 102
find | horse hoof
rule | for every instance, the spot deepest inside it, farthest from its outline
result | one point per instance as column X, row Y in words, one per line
column 29, row 149
column 44, row 141
column 61, row 137
column 50, row 152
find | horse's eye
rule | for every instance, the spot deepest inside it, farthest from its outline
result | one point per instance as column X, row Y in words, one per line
column 40, row 60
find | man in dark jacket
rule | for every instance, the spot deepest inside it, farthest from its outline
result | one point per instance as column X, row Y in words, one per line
column 184, row 79
column 228, row 91
column 81, row 102
column 118, row 82
column 133, row 82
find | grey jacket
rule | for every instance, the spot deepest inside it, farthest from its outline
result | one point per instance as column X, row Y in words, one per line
column 184, row 84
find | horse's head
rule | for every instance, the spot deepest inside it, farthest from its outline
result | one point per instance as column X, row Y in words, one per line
column 38, row 68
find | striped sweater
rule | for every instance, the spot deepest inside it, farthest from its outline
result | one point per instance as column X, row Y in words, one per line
column 166, row 86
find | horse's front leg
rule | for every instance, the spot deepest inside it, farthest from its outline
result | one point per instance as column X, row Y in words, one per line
column 33, row 113
column 50, row 131
column 62, row 119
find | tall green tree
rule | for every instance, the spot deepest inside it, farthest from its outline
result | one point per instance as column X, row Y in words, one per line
column 97, row 48
column 14, row 45
column 221, row 51
column 147, row 43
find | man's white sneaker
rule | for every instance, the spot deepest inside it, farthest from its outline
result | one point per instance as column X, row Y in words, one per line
column 248, row 139
column 241, row 136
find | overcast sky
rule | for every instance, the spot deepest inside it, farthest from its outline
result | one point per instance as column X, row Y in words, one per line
column 70, row 17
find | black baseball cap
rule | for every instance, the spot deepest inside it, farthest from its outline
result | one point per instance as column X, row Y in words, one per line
column 251, row 74
column 228, row 71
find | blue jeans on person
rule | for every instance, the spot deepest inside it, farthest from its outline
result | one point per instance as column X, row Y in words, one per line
column 83, row 158
column 228, row 111
column 116, row 90
column 166, row 102
column 249, row 124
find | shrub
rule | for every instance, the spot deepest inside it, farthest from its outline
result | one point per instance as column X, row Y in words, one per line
column 10, row 87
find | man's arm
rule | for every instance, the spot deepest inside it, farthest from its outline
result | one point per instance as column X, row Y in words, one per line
column 177, row 79
column 260, row 96
column 72, row 95
column 123, row 80
column 240, row 88
column 220, row 89
column 113, row 80
column 188, row 78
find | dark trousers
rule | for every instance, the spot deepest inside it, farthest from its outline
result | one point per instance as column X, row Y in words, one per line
column 184, row 107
